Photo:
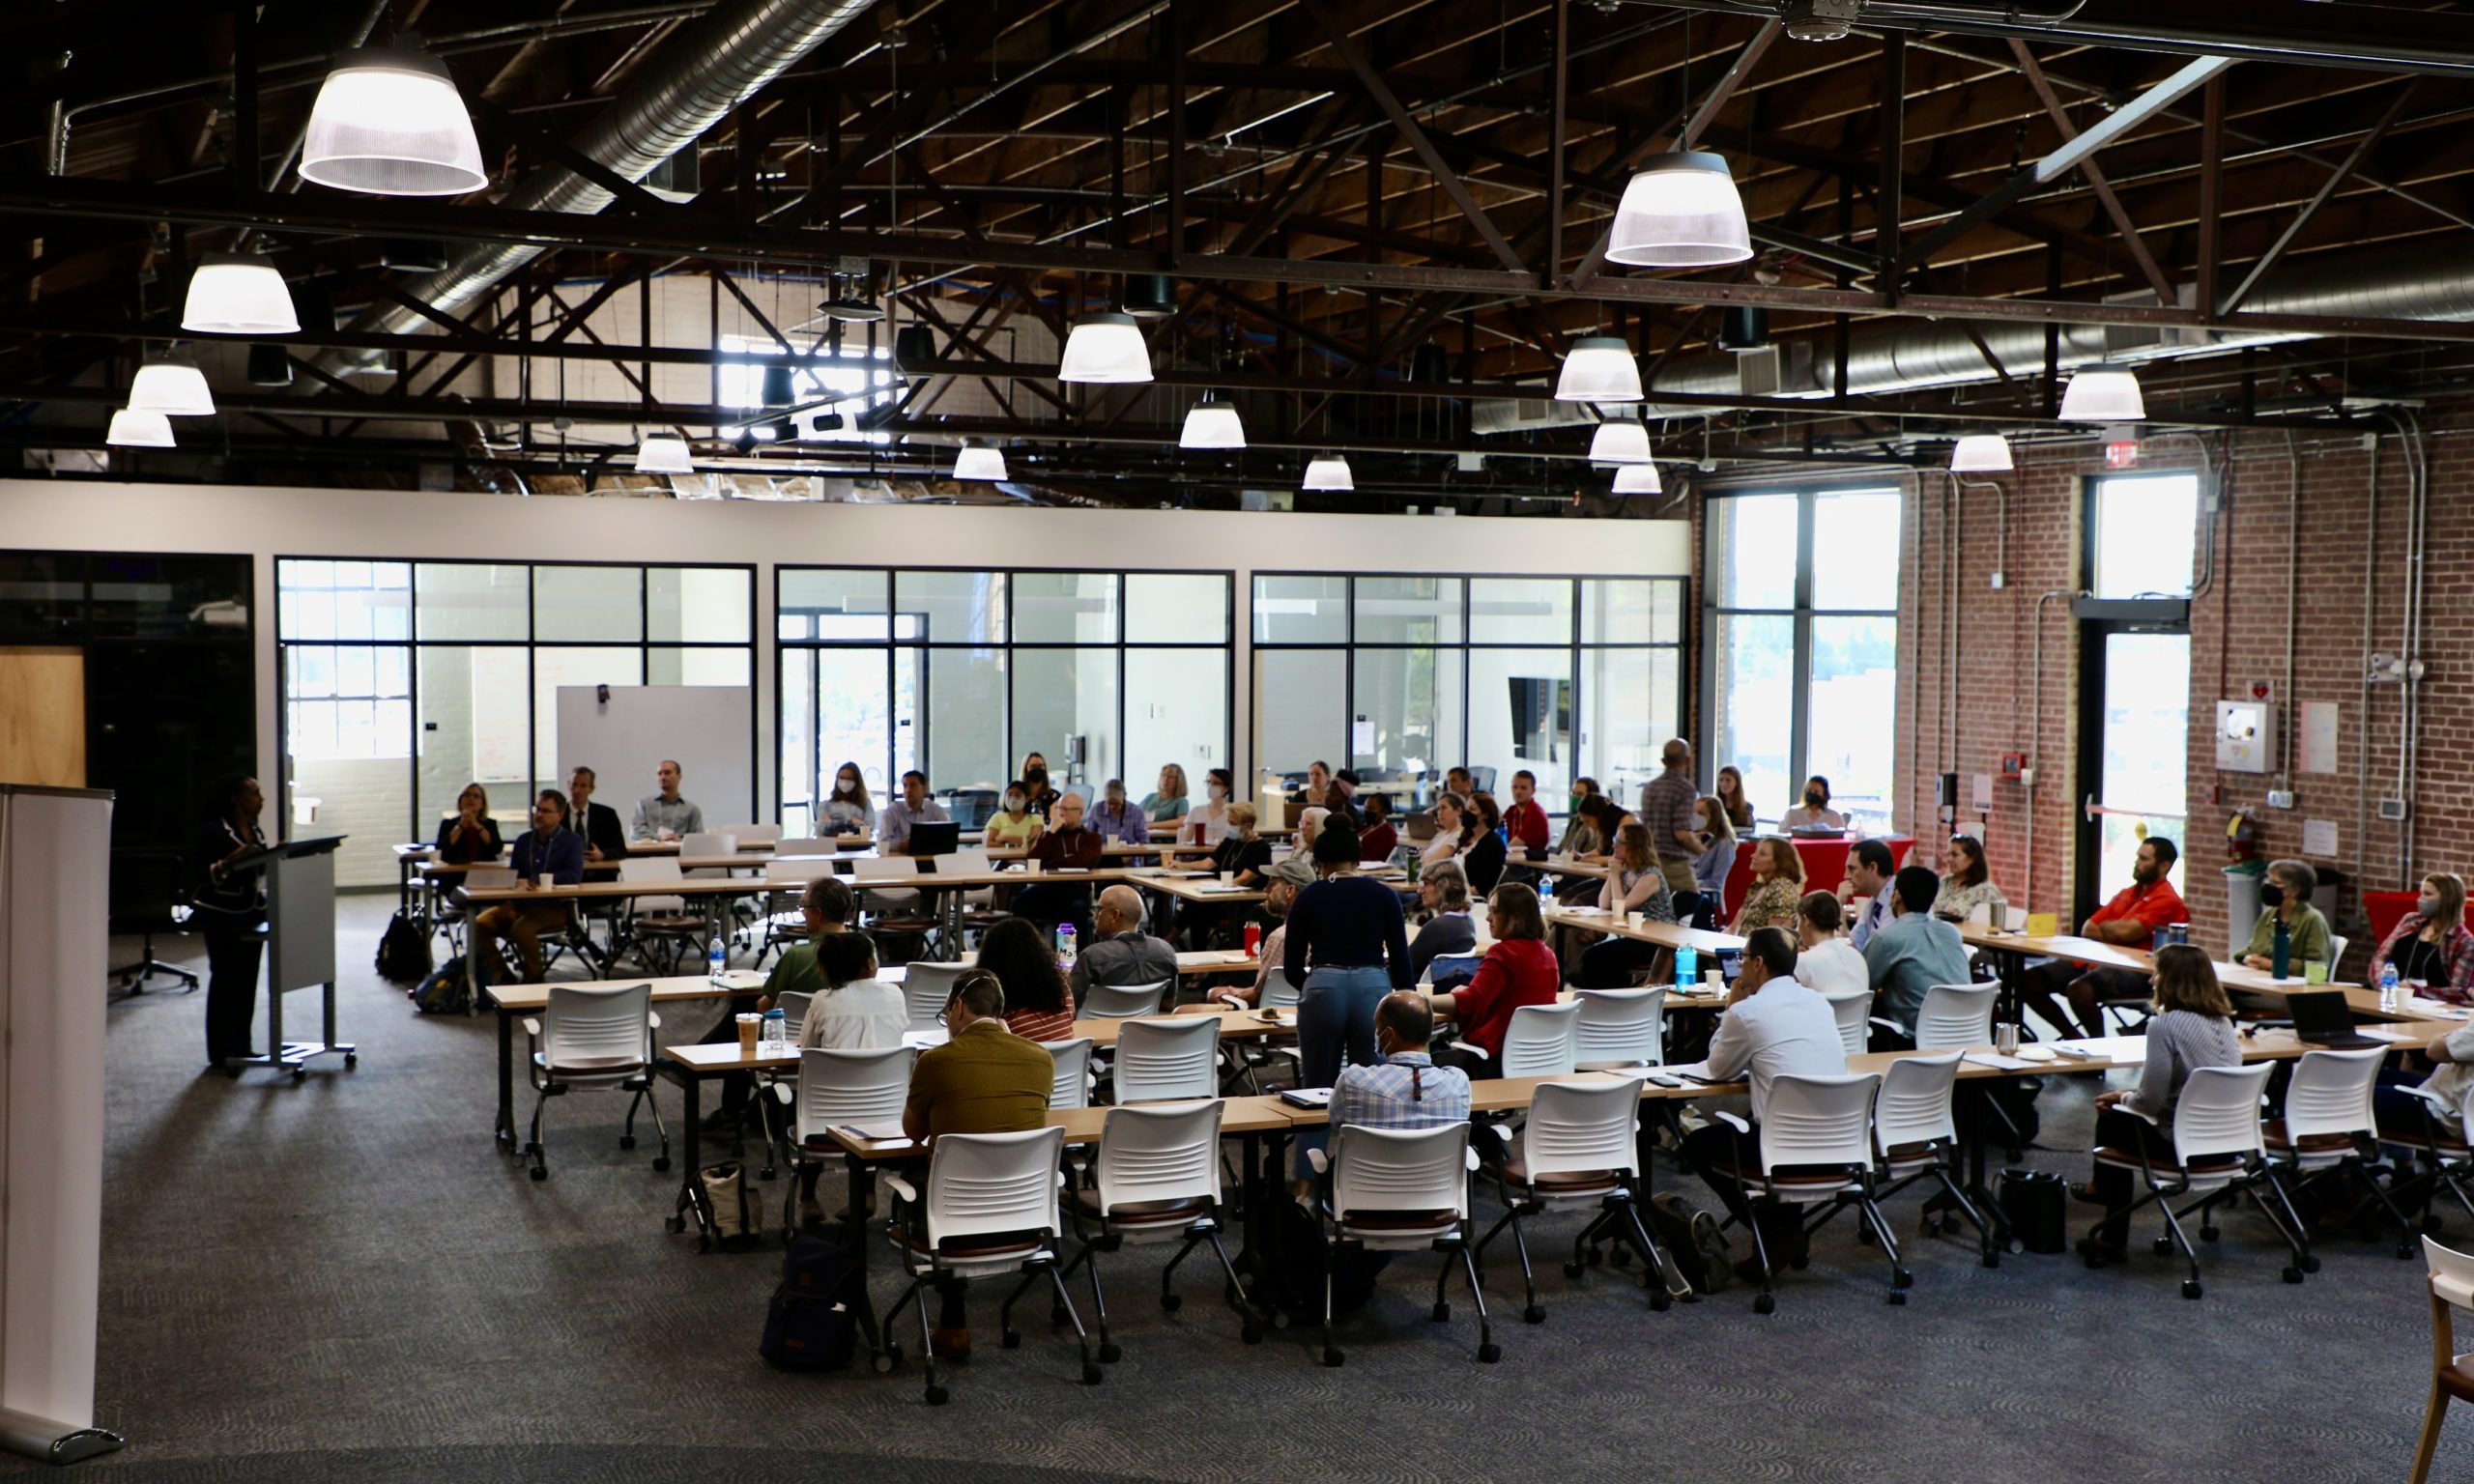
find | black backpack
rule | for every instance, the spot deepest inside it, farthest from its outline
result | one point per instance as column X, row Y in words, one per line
column 1296, row 1284
column 811, row 1323
column 445, row 993
column 1694, row 1245
column 403, row 952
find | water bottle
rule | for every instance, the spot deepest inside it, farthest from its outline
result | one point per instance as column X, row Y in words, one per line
column 2281, row 959
column 2388, row 986
column 1065, row 947
column 1688, row 967
column 777, row 1030
column 716, row 961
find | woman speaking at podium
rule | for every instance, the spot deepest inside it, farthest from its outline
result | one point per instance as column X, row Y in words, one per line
column 231, row 902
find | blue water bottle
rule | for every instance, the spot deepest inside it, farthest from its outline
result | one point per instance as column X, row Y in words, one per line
column 1687, row 968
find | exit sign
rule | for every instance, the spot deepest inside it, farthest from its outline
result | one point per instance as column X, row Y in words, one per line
column 2122, row 454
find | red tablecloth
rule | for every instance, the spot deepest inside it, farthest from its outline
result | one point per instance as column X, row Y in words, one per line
column 1825, row 864
column 2386, row 910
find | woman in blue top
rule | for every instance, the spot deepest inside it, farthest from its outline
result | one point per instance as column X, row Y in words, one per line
column 1347, row 946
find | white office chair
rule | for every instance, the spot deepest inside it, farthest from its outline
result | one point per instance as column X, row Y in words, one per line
column 2451, row 1281
column 793, row 1005
column 2218, row 1147
column 926, row 987
column 1277, row 992
column 594, row 1037
column 647, row 921
column 786, row 881
column 459, row 909
column 1954, row 1017
column 1158, row 1179
column 1161, row 1061
column 1915, row 1133
column 2329, row 1130
column 1855, row 1019
column 1620, row 1028
column 2442, row 1151
column 1577, row 1147
column 1541, row 1041
column 990, row 1208
column 1117, row 1002
column 880, row 881
column 1072, row 1089
column 1397, row 1190
column 1816, row 1149
column 2338, row 943
column 866, row 1088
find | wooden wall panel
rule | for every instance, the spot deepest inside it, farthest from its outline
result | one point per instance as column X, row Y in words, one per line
column 42, row 716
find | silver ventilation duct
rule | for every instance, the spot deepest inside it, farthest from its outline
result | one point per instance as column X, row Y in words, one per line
column 2422, row 284
column 694, row 81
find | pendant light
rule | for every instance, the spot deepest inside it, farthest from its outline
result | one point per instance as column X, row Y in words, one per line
column 389, row 122
column 134, row 428
column 1980, row 453
column 1106, row 349
column 1327, row 471
column 1211, row 424
column 977, row 463
column 173, row 387
column 1600, row 368
column 2103, row 392
column 270, row 365
column 238, row 293
column 1620, row 442
column 849, row 308
column 663, row 453
column 777, row 389
column 1679, row 210
column 1637, row 479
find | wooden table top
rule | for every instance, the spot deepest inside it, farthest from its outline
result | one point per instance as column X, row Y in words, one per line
column 1661, row 934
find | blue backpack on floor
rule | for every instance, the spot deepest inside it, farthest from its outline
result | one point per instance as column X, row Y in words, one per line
column 811, row 1323
column 443, row 992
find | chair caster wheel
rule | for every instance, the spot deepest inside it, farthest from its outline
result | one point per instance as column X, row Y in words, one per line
column 1535, row 1314
column 766, row 1173
column 1660, row 1301
column 1595, row 1257
column 2207, row 1234
column 891, row 1358
column 1252, row 1334
column 1280, row 1319
column 1489, row 1355
column 2405, row 1253
column 1574, row 1269
column 2291, row 1274
column 1896, row 1296
column 1056, row 1317
column 882, row 1363
column 1621, row 1257
column 1903, row 1279
column 539, row 1173
column 299, row 1075
column 1990, row 1260
column 2311, row 1263
column 1800, row 1264
column 1864, row 1235
column 1229, row 1296
column 675, row 1225
column 1092, row 1375
column 1172, row 1302
column 1764, row 1303
column 2190, row 1288
column 938, row 1396
column 1441, row 1314
column 1110, row 1354
column 627, row 1141
column 1011, row 1339
column 2430, row 1224
column 2162, row 1246
column 661, row 1165
column 1333, row 1357
column 352, row 1059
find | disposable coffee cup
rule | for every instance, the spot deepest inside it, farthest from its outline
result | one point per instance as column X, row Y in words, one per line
column 749, row 1027
column 1228, row 878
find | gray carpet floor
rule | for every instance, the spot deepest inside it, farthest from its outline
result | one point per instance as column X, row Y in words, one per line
column 344, row 1280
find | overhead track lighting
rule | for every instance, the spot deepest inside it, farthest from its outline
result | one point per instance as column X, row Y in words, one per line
column 1327, row 471
column 974, row 462
column 1679, row 210
column 1212, row 424
column 1980, row 453
column 1600, row 368
column 2103, row 392
column 388, row 121
column 1620, row 442
column 1637, row 479
column 173, row 387
column 134, row 428
column 1104, row 349
column 238, row 293
column 663, row 453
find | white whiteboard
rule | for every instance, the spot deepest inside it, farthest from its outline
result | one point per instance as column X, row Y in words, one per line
column 709, row 729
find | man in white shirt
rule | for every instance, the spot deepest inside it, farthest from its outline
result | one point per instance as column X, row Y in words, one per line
column 1774, row 1027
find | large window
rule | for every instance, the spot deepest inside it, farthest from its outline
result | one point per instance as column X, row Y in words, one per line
column 959, row 673
column 1403, row 677
column 1804, row 645
column 2135, row 675
column 405, row 681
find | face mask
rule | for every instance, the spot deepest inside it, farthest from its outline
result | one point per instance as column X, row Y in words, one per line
column 1217, row 793
column 1813, row 797
column 2271, row 896
column 2428, row 906
column 1014, row 803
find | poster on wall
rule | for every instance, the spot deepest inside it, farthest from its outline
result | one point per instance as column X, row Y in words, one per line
column 2319, row 745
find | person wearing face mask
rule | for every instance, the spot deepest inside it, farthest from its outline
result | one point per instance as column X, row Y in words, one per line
column 1117, row 821
column 2129, row 920
column 1014, row 827
column 1717, row 854
column 1287, row 880
column 1815, row 812
column 2284, row 897
column 1042, row 794
column 2429, row 945
column 1207, row 823
column 1576, row 817
column 847, row 809
column 1380, row 837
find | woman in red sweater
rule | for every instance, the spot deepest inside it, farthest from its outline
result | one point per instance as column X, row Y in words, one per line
column 1518, row 970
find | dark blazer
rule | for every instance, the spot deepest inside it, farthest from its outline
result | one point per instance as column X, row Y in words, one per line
column 460, row 853
column 602, row 827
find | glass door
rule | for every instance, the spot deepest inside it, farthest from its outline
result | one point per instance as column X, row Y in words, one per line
column 2136, row 789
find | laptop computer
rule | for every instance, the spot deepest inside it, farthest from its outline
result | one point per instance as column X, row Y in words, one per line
column 934, row 838
column 2320, row 1018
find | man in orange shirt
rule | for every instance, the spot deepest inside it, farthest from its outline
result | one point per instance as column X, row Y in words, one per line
column 2129, row 921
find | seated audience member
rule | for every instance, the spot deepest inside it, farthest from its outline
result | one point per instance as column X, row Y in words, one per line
column 1869, row 868
column 2429, row 945
column 1120, row 953
column 1405, row 1089
column 2193, row 1028
column 1731, row 797
column 1165, row 805
column 2130, row 919
column 826, row 906
column 1915, row 951
column 1525, row 826
column 1966, row 884
column 2284, row 897
column 1288, row 878
column 1825, row 963
column 893, row 829
column 1459, row 780
column 847, row 809
column 1814, row 812
column 1380, row 838
column 2407, row 1118
column 855, row 1010
column 1343, row 797
column 472, row 837
column 1454, row 830
column 1717, row 855
column 605, row 837
column 1207, row 822
column 1581, row 836
column 665, row 815
column 1014, row 827
column 1483, row 858
column 1634, row 884
column 1517, row 970
column 1069, row 847
column 1038, row 1002
column 1443, row 888
column 1774, row 1027
column 1118, row 823
column 1242, row 857
column 547, row 849
column 1310, row 827
column 1035, row 782
column 1317, row 792
column 1778, row 885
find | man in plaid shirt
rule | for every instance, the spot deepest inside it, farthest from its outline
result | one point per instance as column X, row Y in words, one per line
column 1406, row 1089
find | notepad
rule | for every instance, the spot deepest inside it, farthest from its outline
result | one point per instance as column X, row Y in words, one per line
column 2043, row 924
column 1307, row 1096
column 742, row 979
column 1997, row 1061
column 873, row 1133
column 2386, row 1032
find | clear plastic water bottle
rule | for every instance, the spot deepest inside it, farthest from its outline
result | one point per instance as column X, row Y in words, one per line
column 776, row 1035
column 715, row 960
column 1065, row 947
column 2388, row 986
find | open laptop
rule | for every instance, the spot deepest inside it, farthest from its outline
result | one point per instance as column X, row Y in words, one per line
column 934, row 838
column 2320, row 1018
